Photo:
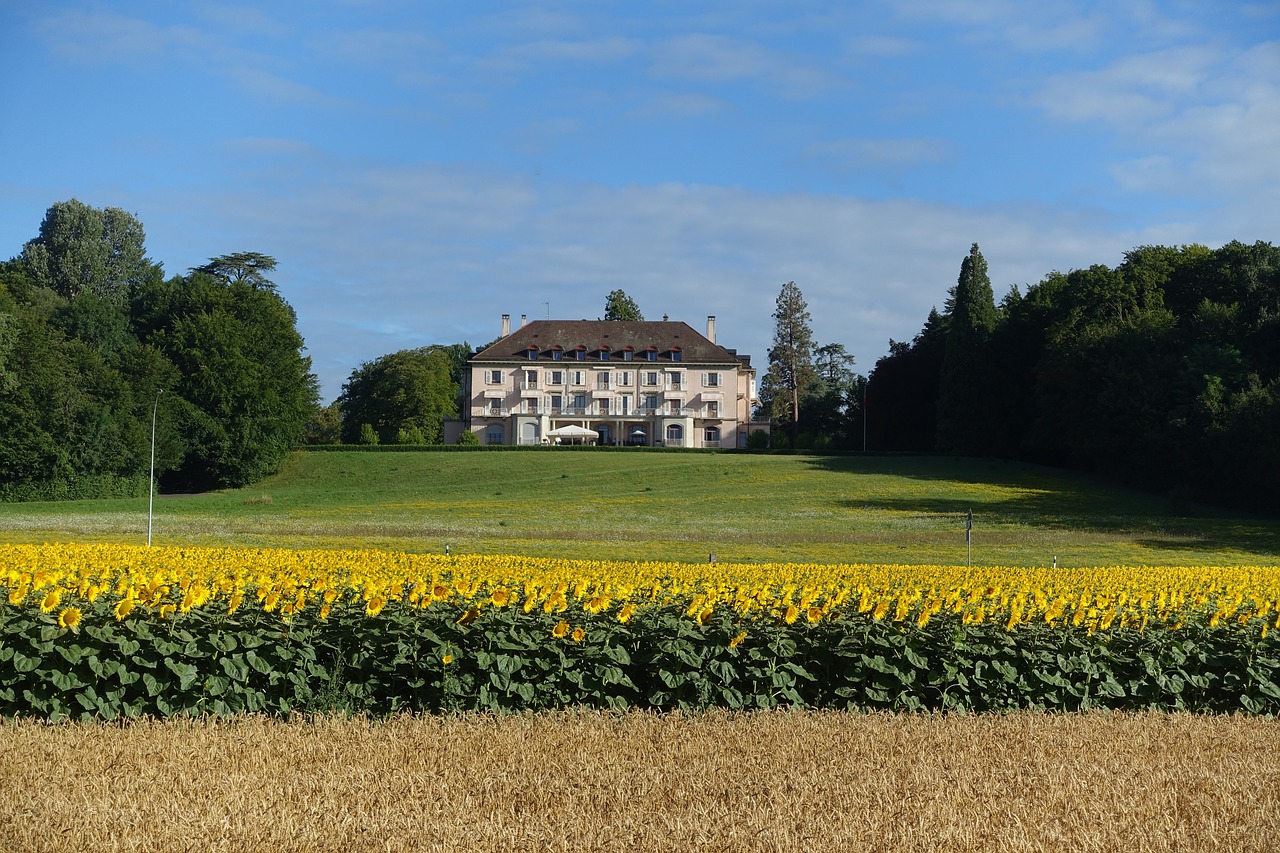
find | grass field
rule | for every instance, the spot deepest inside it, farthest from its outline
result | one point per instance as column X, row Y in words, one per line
column 682, row 507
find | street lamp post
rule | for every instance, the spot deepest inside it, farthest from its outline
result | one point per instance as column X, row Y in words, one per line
column 151, row 493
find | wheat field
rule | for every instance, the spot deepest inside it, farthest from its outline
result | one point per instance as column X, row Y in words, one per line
column 595, row 781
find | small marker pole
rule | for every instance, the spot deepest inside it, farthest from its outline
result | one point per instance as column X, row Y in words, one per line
column 968, row 538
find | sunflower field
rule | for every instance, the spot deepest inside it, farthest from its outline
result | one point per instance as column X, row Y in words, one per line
column 109, row 631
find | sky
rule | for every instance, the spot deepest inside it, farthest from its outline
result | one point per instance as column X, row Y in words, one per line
column 419, row 169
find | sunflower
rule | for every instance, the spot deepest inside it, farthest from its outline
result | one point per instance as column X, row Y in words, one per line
column 624, row 615
column 560, row 630
column 375, row 605
column 50, row 601
column 737, row 641
column 123, row 608
column 69, row 618
column 578, row 635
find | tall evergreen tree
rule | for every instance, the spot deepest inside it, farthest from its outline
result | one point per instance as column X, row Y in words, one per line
column 619, row 306
column 791, row 374
column 965, row 410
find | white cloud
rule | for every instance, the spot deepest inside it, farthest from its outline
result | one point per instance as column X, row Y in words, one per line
column 718, row 59
column 376, row 260
column 879, row 155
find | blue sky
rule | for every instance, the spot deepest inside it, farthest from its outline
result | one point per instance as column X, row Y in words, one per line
column 421, row 168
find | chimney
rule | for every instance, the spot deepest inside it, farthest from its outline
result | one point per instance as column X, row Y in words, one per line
column 506, row 325
column 523, row 320
column 711, row 328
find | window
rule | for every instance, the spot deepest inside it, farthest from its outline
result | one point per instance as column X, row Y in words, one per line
column 711, row 380
column 582, row 353
column 493, row 435
column 649, row 377
column 530, row 406
column 533, row 353
column 602, row 380
column 577, row 377
column 555, row 354
column 555, row 401
column 651, row 403
column 627, row 354
column 652, row 354
column 495, row 408
column 493, row 377
column 673, row 407
column 625, row 378
column 555, row 377
column 580, row 404
column 675, row 381
column 531, row 379
column 675, row 435
column 602, row 405
column 675, row 354
column 624, row 404
column 711, row 437
column 713, row 408
column 604, row 354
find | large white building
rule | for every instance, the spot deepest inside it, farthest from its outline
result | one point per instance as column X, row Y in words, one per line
column 642, row 383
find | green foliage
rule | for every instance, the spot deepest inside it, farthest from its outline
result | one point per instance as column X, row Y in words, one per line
column 1160, row 371
column 469, row 438
column 405, row 659
column 791, row 376
column 619, row 306
column 410, row 391
column 90, row 332
column 248, row 390
column 368, row 435
column 966, row 411
column 81, row 249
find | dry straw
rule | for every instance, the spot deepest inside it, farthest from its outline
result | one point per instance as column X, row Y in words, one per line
column 596, row 781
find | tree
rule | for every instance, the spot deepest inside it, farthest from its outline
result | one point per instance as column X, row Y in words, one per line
column 902, row 391
column 965, row 413
column 81, row 249
column 242, row 268
column 619, row 306
column 832, row 401
column 248, row 386
column 409, row 391
column 791, row 374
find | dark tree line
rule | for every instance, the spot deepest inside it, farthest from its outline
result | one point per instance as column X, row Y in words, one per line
column 94, row 338
column 1163, row 372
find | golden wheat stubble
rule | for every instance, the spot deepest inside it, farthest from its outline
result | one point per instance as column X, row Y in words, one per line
column 582, row 780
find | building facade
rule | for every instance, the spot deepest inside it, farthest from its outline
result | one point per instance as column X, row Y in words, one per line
column 612, row 382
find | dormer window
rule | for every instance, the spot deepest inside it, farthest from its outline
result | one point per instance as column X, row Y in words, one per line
column 556, row 352
column 675, row 353
column 651, row 353
column 604, row 353
column 581, row 352
column 533, row 353
column 627, row 353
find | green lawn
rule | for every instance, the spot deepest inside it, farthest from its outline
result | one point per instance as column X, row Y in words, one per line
column 674, row 506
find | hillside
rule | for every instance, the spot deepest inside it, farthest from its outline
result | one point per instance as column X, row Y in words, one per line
column 743, row 508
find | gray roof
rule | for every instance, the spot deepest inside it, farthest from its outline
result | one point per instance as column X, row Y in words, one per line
column 663, row 336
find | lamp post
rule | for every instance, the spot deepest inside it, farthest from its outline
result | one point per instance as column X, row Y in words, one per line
column 151, row 493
